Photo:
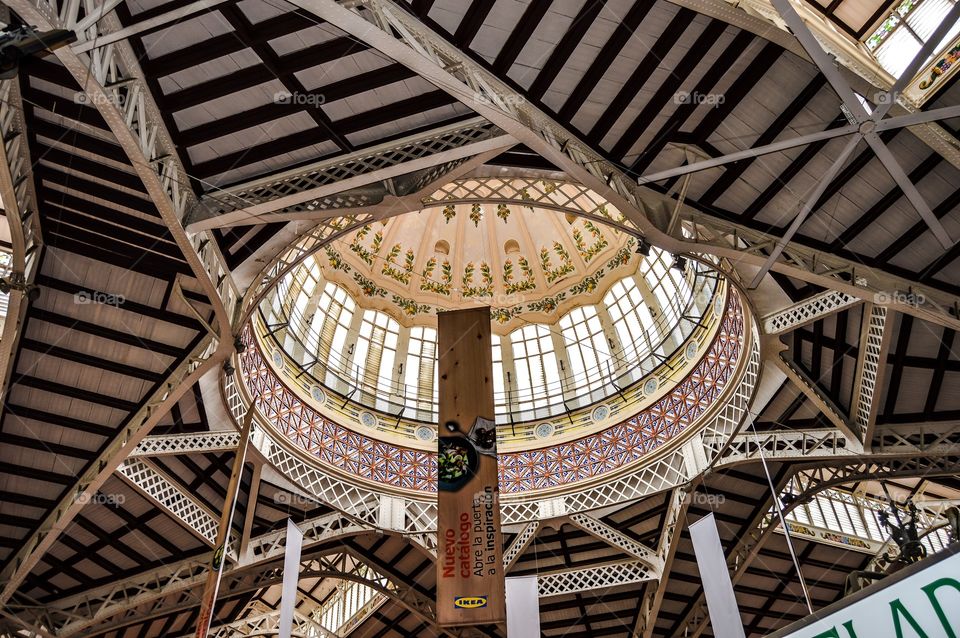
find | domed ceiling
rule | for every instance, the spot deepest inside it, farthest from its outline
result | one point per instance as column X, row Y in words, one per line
column 522, row 261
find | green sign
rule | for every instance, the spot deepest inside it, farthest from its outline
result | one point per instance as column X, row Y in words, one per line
column 924, row 604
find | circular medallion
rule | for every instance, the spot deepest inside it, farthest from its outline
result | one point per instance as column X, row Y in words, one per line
column 544, row 430
column 318, row 394
column 277, row 358
column 650, row 386
column 368, row 419
column 424, row 433
column 600, row 413
column 691, row 350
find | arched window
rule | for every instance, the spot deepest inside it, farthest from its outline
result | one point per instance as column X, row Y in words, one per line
column 669, row 286
column 420, row 370
column 587, row 350
column 631, row 319
column 330, row 328
column 538, row 376
column 376, row 354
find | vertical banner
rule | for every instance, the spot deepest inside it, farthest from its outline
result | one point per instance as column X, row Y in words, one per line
column 211, row 588
column 717, row 588
column 523, row 607
column 291, row 578
column 470, row 576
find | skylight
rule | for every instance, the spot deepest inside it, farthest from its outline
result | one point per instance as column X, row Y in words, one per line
column 899, row 38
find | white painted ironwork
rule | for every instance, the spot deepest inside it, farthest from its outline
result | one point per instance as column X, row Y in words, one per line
column 165, row 493
column 520, row 542
column 808, row 311
column 871, row 362
column 19, row 207
column 804, row 486
column 823, row 403
column 326, row 186
column 113, row 82
column 398, row 34
column 195, row 365
column 191, row 443
column 604, row 532
column 573, row 581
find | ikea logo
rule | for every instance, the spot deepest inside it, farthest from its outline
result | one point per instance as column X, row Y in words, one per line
column 470, row 602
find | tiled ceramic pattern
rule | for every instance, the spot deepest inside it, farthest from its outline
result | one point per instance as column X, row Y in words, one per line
column 586, row 458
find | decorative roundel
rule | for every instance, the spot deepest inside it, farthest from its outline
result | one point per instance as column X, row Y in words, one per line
column 368, row 419
column 600, row 413
column 691, row 350
column 650, row 386
column 544, row 430
column 318, row 394
column 424, row 433
column 277, row 357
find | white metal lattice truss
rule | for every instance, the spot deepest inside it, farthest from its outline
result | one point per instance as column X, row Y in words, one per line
column 19, row 208
column 823, row 403
column 193, row 443
column 81, row 612
column 522, row 540
column 599, row 577
column 807, row 311
column 619, row 540
column 325, row 187
column 113, row 82
column 169, row 497
column 803, row 487
column 396, row 33
column 871, row 363
column 677, row 505
column 156, row 406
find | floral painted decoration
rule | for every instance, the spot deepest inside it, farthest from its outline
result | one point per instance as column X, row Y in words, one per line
column 449, row 212
column 409, row 306
column 476, row 214
column 368, row 287
column 503, row 212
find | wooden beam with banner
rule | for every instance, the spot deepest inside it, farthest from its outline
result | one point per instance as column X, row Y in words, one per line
column 470, row 574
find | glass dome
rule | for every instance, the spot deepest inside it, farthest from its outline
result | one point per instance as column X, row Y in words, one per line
column 609, row 354
column 359, row 317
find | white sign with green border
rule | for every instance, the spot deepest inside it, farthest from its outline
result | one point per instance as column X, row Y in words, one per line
column 923, row 604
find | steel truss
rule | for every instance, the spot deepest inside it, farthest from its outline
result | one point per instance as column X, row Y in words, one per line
column 113, row 82
column 193, row 443
column 396, row 171
column 807, row 311
column 874, row 343
column 823, row 402
column 167, row 494
column 815, row 479
column 19, row 207
column 391, row 30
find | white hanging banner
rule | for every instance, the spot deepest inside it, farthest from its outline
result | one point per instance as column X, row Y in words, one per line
column 523, row 606
column 721, row 601
column 291, row 578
